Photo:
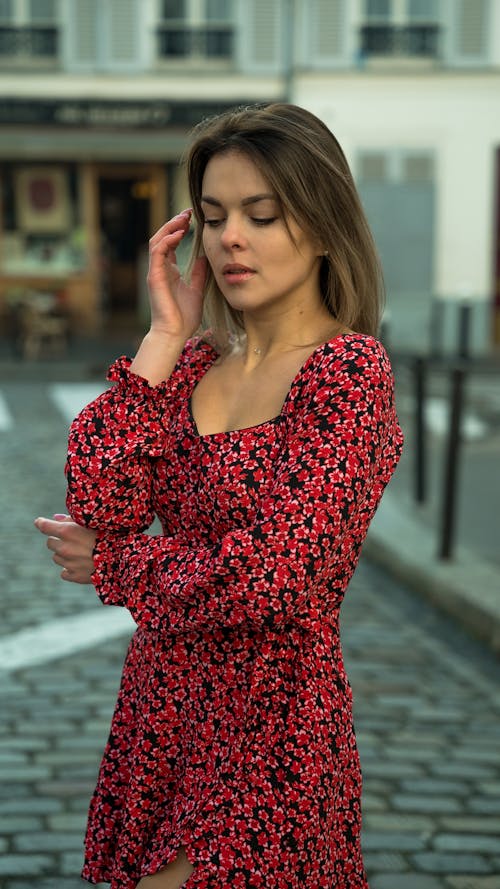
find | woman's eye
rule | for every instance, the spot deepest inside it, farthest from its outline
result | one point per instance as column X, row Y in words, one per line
column 212, row 222
column 261, row 221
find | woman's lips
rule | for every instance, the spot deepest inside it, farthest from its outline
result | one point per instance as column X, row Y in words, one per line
column 235, row 274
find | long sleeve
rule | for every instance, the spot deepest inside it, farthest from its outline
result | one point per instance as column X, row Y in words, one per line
column 113, row 445
column 339, row 451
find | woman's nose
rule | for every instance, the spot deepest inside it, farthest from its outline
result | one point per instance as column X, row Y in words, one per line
column 232, row 234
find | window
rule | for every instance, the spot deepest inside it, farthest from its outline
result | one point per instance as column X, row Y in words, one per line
column 397, row 28
column 191, row 30
column 104, row 35
column 399, row 166
column 29, row 31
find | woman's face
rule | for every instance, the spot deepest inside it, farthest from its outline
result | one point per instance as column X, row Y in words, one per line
column 255, row 262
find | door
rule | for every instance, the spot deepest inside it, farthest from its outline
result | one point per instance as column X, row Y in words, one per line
column 131, row 206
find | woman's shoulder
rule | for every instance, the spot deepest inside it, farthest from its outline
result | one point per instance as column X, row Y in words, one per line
column 353, row 355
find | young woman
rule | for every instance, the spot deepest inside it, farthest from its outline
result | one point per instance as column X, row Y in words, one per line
column 264, row 447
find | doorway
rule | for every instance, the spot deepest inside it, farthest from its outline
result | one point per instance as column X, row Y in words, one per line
column 131, row 201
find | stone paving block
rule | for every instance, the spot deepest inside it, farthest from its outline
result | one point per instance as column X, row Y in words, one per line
column 70, row 821
column 489, row 788
column 470, row 824
column 68, row 757
column 471, row 882
column 82, row 742
column 485, row 805
column 457, row 842
column 10, row 757
column 71, row 863
column 393, row 841
column 372, row 803
column 464, row 769
column 55, row 728
column 23, row 773
column 444, row 863
column 51, row 883
column 17, row 823
column 390, row 770
column 65, row 788
column 25, row 865
column 19, row 743
column 426, row 804
column 436, row 786
column 406, row 881
column 383, row 861
column 30, row 806
column 393, row 821
column 48, row 841
column 414, row 753
column 478, row 753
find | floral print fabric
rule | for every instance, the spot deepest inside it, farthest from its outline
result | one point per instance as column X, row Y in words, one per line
column 233, row 733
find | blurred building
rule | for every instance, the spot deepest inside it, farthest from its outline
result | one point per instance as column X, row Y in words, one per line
column 97, row 98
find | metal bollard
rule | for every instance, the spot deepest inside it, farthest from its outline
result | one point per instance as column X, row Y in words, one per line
column 420, row 372
column 464, row 329
column 450, row 476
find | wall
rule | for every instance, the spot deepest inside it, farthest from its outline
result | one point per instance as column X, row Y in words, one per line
column 457, row 117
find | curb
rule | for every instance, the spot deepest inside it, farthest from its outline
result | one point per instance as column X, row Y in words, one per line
column 465, row 588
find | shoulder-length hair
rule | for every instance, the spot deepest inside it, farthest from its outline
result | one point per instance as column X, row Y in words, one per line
column 307, row 170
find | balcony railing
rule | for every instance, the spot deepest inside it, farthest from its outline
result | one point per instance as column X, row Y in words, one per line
column 184, row 43
column 407, row 40
column 27, row 42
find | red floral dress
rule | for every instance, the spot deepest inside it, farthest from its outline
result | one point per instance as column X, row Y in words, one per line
column 232, row 734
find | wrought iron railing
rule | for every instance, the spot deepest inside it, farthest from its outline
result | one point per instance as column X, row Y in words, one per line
column 405, row 40
column 28, row 42
column 181, row 43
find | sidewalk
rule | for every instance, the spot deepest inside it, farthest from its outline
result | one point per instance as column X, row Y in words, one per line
column 405, row 536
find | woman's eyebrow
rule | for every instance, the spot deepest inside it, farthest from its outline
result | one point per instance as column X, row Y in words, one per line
column 254, row 199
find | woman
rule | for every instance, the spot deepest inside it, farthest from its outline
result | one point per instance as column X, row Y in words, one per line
column 264, row 447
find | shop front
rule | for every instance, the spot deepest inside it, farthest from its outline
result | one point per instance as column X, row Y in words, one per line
column 84, row 185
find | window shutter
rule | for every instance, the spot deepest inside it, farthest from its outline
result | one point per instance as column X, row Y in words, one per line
column 324, row 27
column 261, row 36
column 469, row 43
column 122, row 45
column 81, row 45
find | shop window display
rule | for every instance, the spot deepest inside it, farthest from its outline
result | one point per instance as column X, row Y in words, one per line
column 42, row 232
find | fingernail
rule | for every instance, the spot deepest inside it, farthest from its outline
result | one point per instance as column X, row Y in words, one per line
column 59, row 516
column 186, row 212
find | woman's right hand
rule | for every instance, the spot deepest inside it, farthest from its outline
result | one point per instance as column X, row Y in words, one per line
column 176, row 306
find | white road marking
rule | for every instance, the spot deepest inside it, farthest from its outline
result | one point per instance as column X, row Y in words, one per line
column 70, row 398
column 63, row 637
column 6, row 421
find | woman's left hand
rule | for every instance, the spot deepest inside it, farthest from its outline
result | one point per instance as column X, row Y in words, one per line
column 72, row 546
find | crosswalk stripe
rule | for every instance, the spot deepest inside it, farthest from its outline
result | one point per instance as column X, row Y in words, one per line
column 62, row 637
column 6, row 421
column 70, row 398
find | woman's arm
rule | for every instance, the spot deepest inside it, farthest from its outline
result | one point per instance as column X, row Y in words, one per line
column 331, row 474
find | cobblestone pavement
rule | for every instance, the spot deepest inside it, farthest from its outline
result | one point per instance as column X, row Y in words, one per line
column 32, row 450
column 427, row 707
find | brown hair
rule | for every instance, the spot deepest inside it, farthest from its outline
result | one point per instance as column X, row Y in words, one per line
column 307, row 169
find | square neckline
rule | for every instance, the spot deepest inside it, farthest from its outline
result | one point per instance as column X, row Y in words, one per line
column 272, row 421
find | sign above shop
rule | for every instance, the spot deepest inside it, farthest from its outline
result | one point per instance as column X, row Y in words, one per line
column 106, row 114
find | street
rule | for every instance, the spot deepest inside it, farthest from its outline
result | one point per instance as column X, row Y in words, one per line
column 427, row 697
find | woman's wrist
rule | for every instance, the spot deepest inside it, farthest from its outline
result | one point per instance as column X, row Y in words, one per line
column 157, row 356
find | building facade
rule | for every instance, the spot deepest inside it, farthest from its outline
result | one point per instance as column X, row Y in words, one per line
column 97, row 98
